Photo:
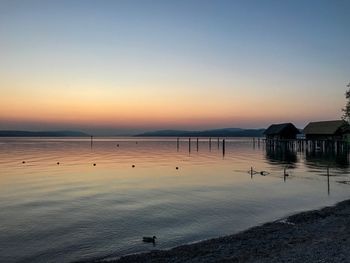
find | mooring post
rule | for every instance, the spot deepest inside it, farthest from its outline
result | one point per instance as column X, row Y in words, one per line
column 218, row 142
column 91, row 141
column 328, row 180
column 197, row 144
column 223, row 147
column 177, row 144
column 210, row 144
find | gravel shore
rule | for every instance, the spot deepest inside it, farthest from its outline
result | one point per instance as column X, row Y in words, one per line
column 313, row 236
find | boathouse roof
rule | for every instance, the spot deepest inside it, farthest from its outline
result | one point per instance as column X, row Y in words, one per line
column 326, row 127
column 275, row 129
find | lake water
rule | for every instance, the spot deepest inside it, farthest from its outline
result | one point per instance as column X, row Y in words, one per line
column 75, row 211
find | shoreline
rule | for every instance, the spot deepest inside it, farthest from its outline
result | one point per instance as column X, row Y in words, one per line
column 312, row 236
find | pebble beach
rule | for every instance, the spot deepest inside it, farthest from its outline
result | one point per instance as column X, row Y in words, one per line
column 312, row 236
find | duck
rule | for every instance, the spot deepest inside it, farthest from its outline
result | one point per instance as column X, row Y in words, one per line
column 149, row 239
column 264, row 173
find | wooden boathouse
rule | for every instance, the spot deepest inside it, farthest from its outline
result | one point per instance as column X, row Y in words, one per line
column 282, row 131
column 337, row 130
column 325, row 136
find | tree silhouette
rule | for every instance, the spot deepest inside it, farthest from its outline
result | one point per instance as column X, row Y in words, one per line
column 346, row 110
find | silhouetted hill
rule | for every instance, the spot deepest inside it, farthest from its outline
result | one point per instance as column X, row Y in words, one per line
column 227, row 132
column 42, row 134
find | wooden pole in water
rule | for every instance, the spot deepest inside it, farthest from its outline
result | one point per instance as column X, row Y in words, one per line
column 189, row 144
column 177, row 144
column 197, row 144
column 328, row 180
column 218, row 142
column 210, row 144
column 223, row 147
column 91, row 141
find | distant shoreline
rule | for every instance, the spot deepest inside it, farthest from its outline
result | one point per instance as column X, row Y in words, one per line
column 226, row 132
column 8, row 133
column 313, row 236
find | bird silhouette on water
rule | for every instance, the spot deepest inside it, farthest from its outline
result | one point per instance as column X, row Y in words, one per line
column 285, row 171
column 149, row 239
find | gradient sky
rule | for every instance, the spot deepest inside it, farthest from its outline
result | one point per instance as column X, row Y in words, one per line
column 110, row 67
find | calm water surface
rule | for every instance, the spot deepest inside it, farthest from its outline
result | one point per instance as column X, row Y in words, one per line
column 77, row 211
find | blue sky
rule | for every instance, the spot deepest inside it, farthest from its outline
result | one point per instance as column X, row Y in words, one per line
column 140, row 65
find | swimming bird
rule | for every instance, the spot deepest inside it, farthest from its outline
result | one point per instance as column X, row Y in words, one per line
column 23, row 162
column 133, row 165
column 177, row 168
column 264, row 173
column 149, row 239
column 94, row 164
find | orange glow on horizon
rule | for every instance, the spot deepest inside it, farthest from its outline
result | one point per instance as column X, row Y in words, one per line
column 152, row 106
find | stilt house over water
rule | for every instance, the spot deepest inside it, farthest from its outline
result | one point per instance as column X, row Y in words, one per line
column 282, row 131
column 327, row 130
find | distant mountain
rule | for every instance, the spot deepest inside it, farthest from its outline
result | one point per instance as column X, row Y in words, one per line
column 227, row 132
column 42, row 134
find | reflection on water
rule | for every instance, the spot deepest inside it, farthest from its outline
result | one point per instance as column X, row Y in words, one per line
column 319, row 158
column 58, row 207
column 278, row 156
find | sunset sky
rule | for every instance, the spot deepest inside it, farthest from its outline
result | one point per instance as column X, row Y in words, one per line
column 113, row 67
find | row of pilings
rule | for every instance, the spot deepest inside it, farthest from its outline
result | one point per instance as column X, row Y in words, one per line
column 336, row 146
column 300, row 145
column 211, row 142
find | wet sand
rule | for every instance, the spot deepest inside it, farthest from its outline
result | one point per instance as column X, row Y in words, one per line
column 312, row 236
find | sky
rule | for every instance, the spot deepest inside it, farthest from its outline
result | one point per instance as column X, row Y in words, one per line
column 119, row 67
